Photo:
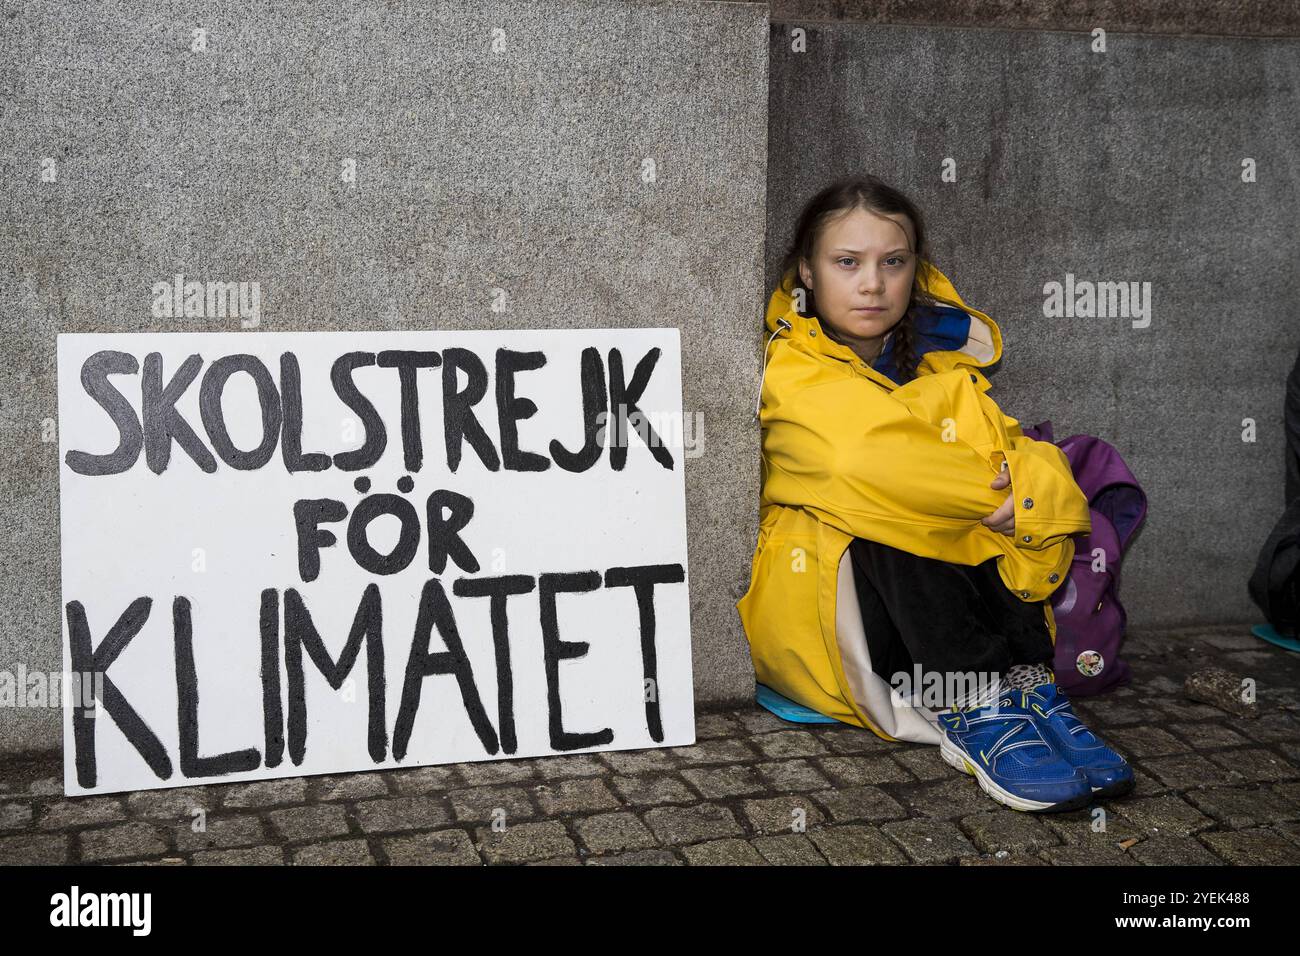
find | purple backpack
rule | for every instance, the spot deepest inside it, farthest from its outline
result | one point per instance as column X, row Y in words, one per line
column 1090, row 620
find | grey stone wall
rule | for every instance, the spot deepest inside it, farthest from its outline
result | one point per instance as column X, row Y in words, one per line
column 1256, row 18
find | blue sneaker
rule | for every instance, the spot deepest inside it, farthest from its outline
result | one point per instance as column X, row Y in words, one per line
column 1002, row 746
column 1108, row 773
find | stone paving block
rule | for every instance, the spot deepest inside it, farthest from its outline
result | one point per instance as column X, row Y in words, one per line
column 1207, row 734
column 639, row 858
column 1283, row 698
column 674, row 826
column 484, row 804
column 708, row 726
column 614, row 832
column 80, row 812
column 563, row 797
column 923, row 763
column 1289, row 794
column 1161, row 687
column 440, row 848
column 1232, row 641
column 856, row 845
column 996, row 830
column 348, row 786
column 645, row 791
column 1289, row 830
column 860, row 770
column 556, row 861
column 488, row 772
column 1184, row 710
column 161, row 861
column 264, row 793
column 1006, row 859
column 792, row 775
column 788, row 849
column 395, row 814
column 1164, row 815
column 1154, row 647
column 1248, row 663
column 248, row 856
column 421, row 780
column 1173, row 851
column 46, row 787
column 1087, row 854
column 1144, row 741
column 1103, row 715
column 34, row 849
column 568, row 765
column 1239, row 807
column 854, row 740
column 1255, row 765
column 848, row 804
column 1099, row 825
column 1291, row 751
column 524, row 841
column 929, row 841
column 334, row 853
column 789, row 743
column 652, row 760
column 173, row 805
column 727, row 781
column 1186, row 771
column 716, row 751
column 1255, row 847
column 219, row 833
column 15, row 816
column 955, row 797
column 760, row 721
column 310, row 823
column 1144, row 784
column 1269, row 728
column 787, row 814
column 732, row 852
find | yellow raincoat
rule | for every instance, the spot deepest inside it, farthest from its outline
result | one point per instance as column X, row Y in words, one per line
column 847, row 452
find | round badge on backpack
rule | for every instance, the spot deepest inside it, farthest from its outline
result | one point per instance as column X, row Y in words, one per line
column 1089, row 663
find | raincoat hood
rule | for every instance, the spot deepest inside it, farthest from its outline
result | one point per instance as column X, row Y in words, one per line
column 946, row 335
column 847, row 451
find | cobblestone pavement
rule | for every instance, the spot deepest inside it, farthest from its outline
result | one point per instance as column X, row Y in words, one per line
column 1212, row 789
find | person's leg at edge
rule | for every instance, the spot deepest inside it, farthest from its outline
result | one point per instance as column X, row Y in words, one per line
column 933, row 613
column 1024, row 625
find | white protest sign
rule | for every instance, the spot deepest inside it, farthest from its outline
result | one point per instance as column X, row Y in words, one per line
column 300, row 553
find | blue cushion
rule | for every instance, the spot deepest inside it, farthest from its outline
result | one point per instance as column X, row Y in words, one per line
column 787, row 709
column 1267, row 633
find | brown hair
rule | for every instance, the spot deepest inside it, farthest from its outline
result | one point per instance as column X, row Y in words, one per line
column 873, row 195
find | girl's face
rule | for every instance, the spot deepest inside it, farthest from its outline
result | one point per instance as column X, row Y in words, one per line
column 861, row 273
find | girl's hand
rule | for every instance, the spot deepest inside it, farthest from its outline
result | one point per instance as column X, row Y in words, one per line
column 1004, row 519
